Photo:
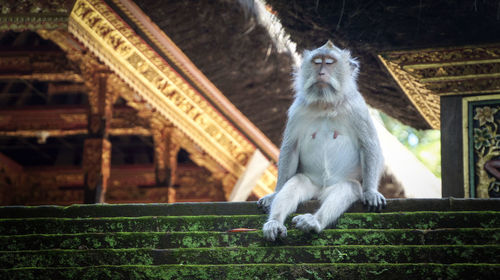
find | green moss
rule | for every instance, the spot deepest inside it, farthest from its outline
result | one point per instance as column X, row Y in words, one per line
column 74, row 242
column 282, row 254
column 362, row 246
column 421, row 220
column 261, row 271
column 249, row 239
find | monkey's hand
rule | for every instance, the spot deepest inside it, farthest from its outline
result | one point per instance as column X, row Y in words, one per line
column 265, row 202
column 374, row 200
column 272, row 229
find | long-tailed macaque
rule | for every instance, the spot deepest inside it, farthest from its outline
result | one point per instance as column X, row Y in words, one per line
column 330, row 150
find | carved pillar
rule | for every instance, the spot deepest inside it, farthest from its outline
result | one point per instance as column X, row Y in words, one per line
column 166, row 149
column 97, row 148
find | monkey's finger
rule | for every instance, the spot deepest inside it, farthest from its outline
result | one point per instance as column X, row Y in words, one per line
column 379, row 204
column 283, row 233
column 371, row 204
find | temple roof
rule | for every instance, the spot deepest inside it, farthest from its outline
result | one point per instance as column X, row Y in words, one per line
column 236, row 53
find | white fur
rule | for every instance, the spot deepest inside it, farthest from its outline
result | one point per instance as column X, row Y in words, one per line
column 329, row 147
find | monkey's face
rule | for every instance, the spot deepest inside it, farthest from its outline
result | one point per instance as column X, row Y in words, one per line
column 326, row 75
column 323, row 66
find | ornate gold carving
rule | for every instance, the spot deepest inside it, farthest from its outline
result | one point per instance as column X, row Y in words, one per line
column 466, row 86
column 207, row 89
column 36, row 6
column 157, row 87
column 424, row 100
column 436, row 57
column 166, row 83
column 424, row 75
column 33, row 15
column 480, row 69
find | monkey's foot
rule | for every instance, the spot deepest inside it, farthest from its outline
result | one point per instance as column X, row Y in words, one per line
column 307, row 223
column 272, row 229
column 265, row 202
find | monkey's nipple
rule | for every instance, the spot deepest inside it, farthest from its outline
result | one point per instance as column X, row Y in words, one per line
column 335, row 134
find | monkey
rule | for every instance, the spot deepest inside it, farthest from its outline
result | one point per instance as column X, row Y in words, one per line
column 330, row 150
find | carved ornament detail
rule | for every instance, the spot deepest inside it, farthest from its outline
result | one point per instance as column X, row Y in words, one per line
column 424, row 75
column 481, row 124
column 157, row 88
column 426, row 103
column 34, row 14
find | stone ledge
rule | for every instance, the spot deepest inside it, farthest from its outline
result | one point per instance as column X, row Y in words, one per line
column 232, row 208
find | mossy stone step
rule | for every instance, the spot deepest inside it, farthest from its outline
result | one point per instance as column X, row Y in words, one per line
column 342, row 271
column 232, row 208
column 416, row 220
column 255, row 255
column 161, row 240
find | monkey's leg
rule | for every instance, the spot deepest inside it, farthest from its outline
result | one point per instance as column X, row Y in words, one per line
column 334, row 202
column 296, row 190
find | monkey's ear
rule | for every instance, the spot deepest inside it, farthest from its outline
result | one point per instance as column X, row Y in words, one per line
column 354, row 64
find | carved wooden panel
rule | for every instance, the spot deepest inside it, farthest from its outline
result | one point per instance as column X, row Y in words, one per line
column 481, row 134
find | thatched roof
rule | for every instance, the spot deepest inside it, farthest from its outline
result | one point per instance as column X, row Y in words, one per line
column 224, row 39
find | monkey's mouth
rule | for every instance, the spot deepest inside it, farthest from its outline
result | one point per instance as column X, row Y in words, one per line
column 322, row 84
column 324, row 87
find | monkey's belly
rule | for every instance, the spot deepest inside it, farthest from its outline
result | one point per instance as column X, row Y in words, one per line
column 328, row 157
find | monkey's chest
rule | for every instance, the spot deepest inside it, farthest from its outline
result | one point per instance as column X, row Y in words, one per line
column 329, row 154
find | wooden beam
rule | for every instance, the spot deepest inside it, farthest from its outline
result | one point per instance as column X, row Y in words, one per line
column 96, row 167
column 165, row 157
column 66, row 120
column 97, row 147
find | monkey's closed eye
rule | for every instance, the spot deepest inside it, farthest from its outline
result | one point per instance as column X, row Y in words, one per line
column 329, row 60
column 318, row 60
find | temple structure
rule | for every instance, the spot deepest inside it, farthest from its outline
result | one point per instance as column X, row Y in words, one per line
column 99, row 104
column 168, row 101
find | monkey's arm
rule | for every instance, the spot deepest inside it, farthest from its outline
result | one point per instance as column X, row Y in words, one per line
column 372, row 161
column 288, row 163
